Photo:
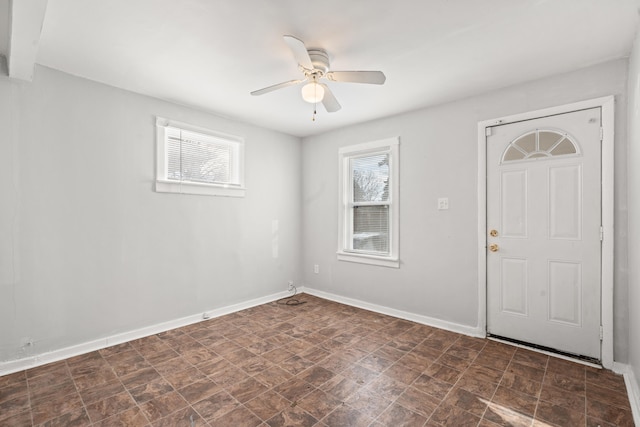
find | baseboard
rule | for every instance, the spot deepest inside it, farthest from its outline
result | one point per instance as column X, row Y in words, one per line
column 418, row 318
column 633, row 388
column 17, row 365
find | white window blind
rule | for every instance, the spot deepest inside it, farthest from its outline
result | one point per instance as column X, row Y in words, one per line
column 370, row 203
column 197, row 157
column 193, row 160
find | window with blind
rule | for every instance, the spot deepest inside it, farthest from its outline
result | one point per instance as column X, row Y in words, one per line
column 369, row 197
column 193, row 160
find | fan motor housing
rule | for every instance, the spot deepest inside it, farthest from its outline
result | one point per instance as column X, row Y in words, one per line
column 319, row 59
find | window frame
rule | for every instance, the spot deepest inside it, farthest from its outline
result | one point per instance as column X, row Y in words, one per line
column 345, row 208
column 165, row 185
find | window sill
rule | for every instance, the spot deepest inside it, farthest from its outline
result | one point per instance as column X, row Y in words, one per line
column 369, row 259
column 165, row 186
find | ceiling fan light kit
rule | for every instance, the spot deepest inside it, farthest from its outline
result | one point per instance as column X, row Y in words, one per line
column 312, row 92
column 314, row 64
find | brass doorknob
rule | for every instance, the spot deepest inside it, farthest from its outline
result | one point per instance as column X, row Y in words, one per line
column 493, row 233
column 493, row 247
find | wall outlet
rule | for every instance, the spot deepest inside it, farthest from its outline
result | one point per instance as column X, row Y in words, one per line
column 316, row 268
column 290, row 288
column 443, row 203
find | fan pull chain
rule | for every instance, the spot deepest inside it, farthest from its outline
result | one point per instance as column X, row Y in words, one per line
column 313, row 118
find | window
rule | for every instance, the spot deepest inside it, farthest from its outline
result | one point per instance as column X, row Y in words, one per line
column 193, row 160
column 369, row 221
column 540, row 144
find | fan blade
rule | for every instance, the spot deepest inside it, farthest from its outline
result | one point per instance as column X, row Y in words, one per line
column 371, row 77
column 299, row 51
column 329, row 101
column 275, row 87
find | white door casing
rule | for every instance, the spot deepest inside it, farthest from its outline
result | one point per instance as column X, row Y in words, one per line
column 543, row 200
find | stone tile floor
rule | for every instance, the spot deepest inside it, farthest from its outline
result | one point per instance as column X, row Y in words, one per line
column 322, row 364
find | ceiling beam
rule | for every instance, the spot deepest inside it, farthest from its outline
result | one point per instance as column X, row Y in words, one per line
column 26, row 19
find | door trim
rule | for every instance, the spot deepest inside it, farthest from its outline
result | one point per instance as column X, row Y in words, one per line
column 607, row 108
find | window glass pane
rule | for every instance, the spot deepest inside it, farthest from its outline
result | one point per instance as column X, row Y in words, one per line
column 547, row 139
column 565, row 147
column 527, row 142
column 371, row 229
column 513, row 154
column 370, row 178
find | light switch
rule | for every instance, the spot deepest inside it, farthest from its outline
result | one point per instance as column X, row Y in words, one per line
column 443, row 203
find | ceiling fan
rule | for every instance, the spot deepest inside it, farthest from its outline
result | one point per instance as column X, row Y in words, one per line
column 314, row 64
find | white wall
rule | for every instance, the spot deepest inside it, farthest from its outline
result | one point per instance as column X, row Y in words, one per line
column 4, row 26
column 88, row 249
column 634, row 211
column 438, row 276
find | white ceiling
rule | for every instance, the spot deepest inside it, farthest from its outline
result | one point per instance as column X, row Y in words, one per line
column 210, row 54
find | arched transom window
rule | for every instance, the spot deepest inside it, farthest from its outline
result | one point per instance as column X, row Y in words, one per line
column 540, row 143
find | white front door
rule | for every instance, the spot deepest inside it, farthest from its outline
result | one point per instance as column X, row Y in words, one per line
column 543, row 232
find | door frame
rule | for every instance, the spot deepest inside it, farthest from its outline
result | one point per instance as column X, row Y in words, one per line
column 606, row 312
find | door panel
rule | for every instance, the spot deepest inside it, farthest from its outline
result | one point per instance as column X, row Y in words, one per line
column 513, row 202
column 544, row 203
column 565, row 292
column 565, row 202
column 514, row 286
